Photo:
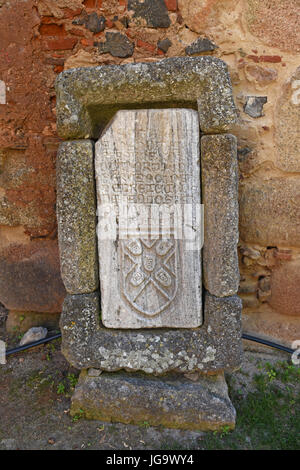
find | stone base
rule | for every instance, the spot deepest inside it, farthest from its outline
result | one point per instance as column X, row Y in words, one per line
column 170, row 401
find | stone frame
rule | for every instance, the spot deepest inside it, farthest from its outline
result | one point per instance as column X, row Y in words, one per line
column 87, row 98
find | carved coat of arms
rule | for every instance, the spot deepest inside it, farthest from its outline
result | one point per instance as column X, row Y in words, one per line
column 149, row 274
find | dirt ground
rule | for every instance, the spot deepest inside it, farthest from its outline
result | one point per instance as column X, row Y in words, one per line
column 35, row 391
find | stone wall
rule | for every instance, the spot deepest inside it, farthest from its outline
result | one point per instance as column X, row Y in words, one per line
column 260, row 42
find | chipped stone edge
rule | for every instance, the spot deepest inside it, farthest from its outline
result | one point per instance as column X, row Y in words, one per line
column 205, row 81
column 216, row 345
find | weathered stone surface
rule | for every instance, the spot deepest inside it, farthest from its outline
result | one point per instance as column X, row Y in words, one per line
column 285, row 291
column 270, row 210
column 30, row 277
column 215, row 346
column 116, row 44
column 275, row 23
column 220, row 199
column 150, row 275
column 172, row 402
column 34, row 334
column 88, row 98
column 254, row 105
column 154, row 12
column 93, row 22
column 200, row 45
column 76, row 215
column 287, row 125
column 164, row 44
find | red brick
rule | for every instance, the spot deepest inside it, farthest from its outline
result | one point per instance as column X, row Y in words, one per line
column 255, row 58
column 270, row 58
column 109, row 23
column 87, row 42
column 58, row 68
column 60, row 44
column 171, row 5
column 52, row 30
column 47, row 19
column 146, row 45
column 92, row 3
column 68, row 13
column 76, row 32
column 285, row 255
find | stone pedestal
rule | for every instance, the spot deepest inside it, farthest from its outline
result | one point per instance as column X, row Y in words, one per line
column 172, row 401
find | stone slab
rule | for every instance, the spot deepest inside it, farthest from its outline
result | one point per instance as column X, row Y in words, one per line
column 146, row 160
column 76, row 216
column 30, row 277
column 170, row 401
column 220, row 199
column 87, row 98
column 214, row 346
column 270, row 210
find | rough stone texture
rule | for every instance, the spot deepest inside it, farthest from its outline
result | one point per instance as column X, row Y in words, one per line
column 34, row 334
column 116, row 44
column 254, row 105
column 200, row 45
column 154, row 12
column 23, row 321
column 220, row 199
column 215, row 346
column 287, row 125
column 153, row 278
column 171, row 402
column 270, row 210
column 87, row 99
column 285, row 292
column 93, row 22
column 164, row 44
column 30, row 277
column 76, row 215
column 275, row 22
column 201, row 15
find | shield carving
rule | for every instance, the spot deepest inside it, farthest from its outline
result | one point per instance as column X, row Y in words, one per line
column 149, row 274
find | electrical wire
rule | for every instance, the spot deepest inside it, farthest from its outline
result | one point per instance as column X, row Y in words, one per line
column 256, row 339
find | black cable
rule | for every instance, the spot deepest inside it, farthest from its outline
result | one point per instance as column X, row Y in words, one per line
column 31, row 345
column 244, row 336
column 267, row 343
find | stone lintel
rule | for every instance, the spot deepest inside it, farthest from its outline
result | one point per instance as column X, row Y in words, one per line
column 214, row 346
column 220, row 199
column 87, row 98
column 174, row 402
column 76, row 215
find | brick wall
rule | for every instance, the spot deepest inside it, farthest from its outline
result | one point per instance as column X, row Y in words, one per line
column 260, row 41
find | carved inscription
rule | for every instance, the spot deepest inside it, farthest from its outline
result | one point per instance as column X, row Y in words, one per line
column 147, row 172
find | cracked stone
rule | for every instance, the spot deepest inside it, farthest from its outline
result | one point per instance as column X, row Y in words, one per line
column 254, row 105
column 200, row 45
column 116, row 44
column 153, row 11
